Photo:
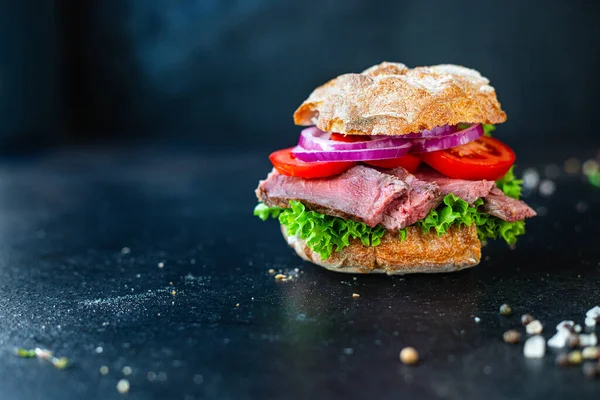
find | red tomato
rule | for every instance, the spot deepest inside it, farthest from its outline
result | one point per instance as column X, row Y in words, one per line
column 408, row 162
column 484, row 158
column 285, row 162
column 339, row 137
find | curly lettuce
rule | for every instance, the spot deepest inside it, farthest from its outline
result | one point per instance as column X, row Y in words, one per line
column 487, row 128
column 510, row 185
column 322, row 233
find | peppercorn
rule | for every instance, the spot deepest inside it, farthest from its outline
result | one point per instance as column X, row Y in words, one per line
column 575, row 357
column 409, row 356
column 562, row 360
column 511, row 336
column 573, row 341
column 505, row 309
column 591, row 370
column 526, row 319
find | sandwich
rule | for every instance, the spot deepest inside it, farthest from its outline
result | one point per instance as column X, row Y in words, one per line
column 396, row 172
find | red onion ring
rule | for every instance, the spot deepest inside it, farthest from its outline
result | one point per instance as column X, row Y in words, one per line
column 351, row 155
column 315, row 139
column 437, row 131
column 459, row 138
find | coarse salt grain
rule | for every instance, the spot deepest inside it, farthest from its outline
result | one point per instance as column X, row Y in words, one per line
column 588, row 340
column 531, row 178
column 123, row 386
column 565, row 325
column 590, row 322
column 593, row 312
column 535, row 347
column 559, row 340
column 534, row 327
column 547, row 187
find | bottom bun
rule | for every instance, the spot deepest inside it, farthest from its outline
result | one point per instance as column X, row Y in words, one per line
column 420, row 252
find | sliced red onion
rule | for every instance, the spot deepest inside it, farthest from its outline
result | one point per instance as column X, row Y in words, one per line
column 464, row 136
column 315, row 139
column 437, row 131
column 351, row 155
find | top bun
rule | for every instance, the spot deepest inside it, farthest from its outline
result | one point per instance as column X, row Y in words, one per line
column 391, row 99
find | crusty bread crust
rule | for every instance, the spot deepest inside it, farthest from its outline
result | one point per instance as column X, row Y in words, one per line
column 459, row 248
column 391, row 99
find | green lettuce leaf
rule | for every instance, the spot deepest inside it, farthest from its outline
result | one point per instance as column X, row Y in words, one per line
column 510, row 185
column 487, row 128
column 452, row 211
column 322, row 233
column 265, row 212
column 456, row 211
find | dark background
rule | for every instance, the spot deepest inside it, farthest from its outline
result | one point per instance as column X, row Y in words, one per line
column 231, row 73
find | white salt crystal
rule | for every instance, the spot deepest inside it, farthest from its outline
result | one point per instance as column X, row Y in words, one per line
column 535, row 347
column 534, row 327
column 593, row 312
column 565, row 325
column 589, row 321
column 588, row 340
column 559, row 340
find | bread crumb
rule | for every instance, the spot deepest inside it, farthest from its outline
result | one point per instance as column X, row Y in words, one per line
column 355, row 295
column 409, row 356
column 237, row 305
column 173, row 293
column 280, row 277
column 271, row 271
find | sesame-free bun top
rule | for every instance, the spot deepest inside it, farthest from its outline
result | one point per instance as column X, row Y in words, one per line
column 391, row 99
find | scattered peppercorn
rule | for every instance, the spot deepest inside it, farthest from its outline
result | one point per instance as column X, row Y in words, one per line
column 591, row 370
column 573, row 341
column 505, row 309
column 526, row 319
column 591, row 353
column 511, row 336
column 409, row 356
column 575, row 357
column 562, row 360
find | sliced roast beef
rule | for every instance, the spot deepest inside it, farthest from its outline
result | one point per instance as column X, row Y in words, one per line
column 498, row 204
column 420, row 198
column 361, row 193
column 469, row 191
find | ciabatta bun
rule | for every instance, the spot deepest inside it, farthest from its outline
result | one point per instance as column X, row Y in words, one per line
column 391, row 99
column 459, row 248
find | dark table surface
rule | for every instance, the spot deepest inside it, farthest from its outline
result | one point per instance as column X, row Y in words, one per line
column 212, row 322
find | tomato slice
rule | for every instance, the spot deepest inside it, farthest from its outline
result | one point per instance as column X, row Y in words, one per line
column 339, row 137
column 484, row 158
column 285, row 162
column 409, row 162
